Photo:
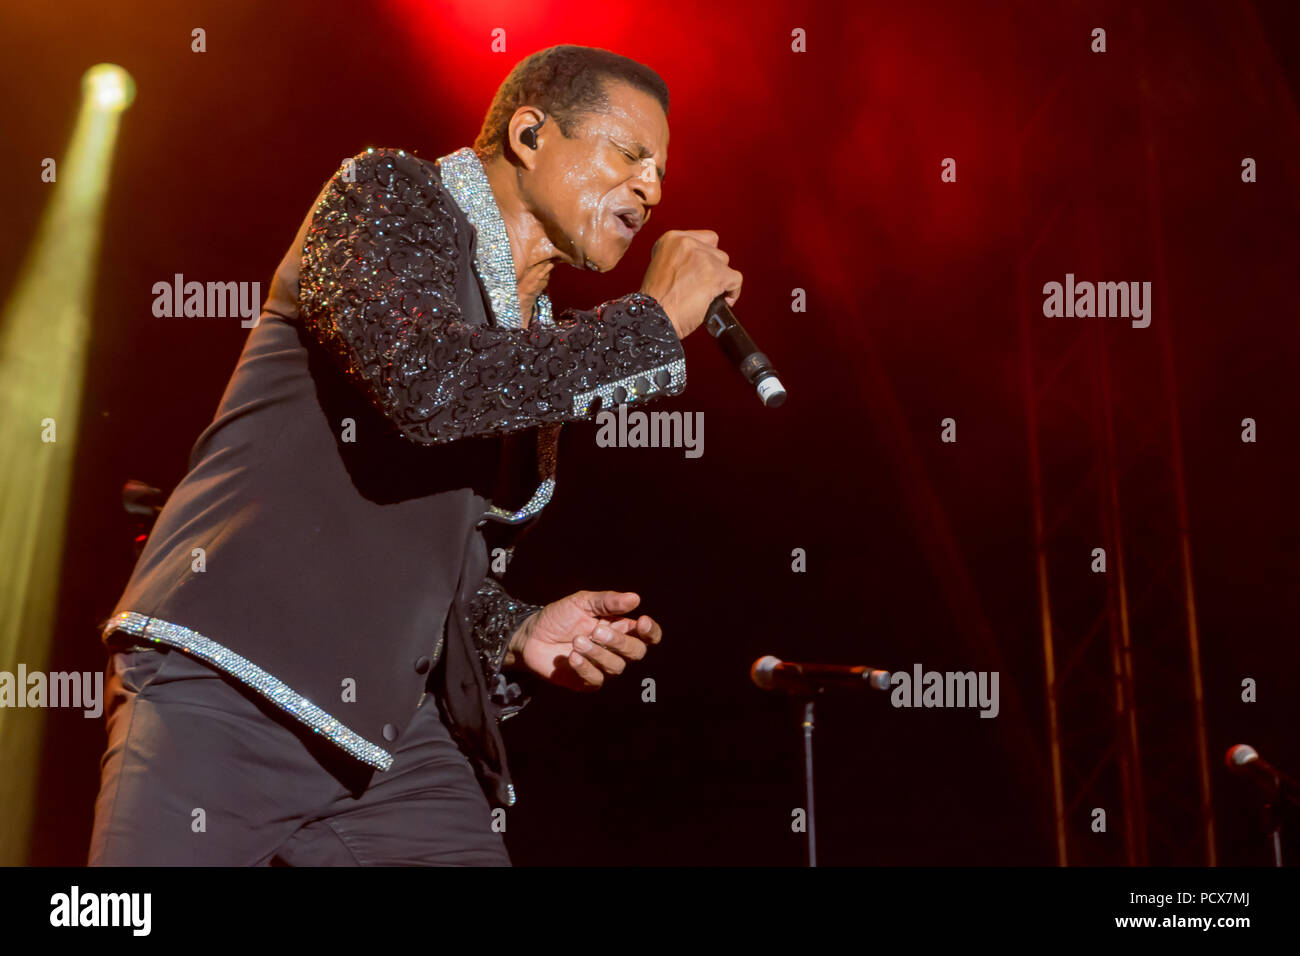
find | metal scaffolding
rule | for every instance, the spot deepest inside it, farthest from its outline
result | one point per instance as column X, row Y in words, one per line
column 1121, row 650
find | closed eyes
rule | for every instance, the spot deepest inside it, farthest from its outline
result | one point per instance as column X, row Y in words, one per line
column 638, row 157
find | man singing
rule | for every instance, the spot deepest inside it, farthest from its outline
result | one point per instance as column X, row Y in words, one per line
column 312, row 657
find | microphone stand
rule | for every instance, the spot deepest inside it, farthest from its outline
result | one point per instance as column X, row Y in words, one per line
column 1273, row 810
column 1281, row 789
column 808, row 779
column 806, row 688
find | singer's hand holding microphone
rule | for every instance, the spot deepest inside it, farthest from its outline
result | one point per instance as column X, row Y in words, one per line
column 688, row 271
column 692, row 282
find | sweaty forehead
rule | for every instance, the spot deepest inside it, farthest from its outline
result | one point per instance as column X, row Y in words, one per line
column 639, row 114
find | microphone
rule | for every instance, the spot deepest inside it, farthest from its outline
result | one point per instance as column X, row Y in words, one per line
column 1244, row 759
column 743, row 353
column 141, row 499
column 792, row 677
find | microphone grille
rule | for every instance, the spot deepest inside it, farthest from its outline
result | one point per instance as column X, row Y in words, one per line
column 1240, row 755
column 761, row 671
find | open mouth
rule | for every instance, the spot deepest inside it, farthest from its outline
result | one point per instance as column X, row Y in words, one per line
column 624, row 224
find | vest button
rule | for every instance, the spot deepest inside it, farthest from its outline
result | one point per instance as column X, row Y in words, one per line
column 390, row 732
column 422, row 665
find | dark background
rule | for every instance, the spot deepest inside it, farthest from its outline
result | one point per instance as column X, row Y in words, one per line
column 819, row 171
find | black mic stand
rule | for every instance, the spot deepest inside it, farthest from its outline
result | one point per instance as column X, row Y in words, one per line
column 806, row 689
column 1273, row 814
column 1281, row 790
column 808, row 779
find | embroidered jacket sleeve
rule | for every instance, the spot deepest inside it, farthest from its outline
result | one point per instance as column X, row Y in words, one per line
column 378, row 291
column 494, row 618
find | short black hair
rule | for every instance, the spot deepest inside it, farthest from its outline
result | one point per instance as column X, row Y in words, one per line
column 566, row 82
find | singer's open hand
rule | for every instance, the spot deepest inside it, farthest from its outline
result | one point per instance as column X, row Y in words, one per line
column 575, row 641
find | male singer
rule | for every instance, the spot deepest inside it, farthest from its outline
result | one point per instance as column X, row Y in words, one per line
column 310, row 660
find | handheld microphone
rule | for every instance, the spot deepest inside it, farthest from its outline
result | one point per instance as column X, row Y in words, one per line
column 1245, row 760
column 792, row 677
column 743, row 353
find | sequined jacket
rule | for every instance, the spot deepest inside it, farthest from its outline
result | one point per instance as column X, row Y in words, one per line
column 327, row 542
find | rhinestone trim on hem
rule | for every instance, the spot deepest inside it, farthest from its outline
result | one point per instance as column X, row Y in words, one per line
column 246, row 672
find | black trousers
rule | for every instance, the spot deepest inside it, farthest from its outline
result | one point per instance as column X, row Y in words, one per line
column 201, row 771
